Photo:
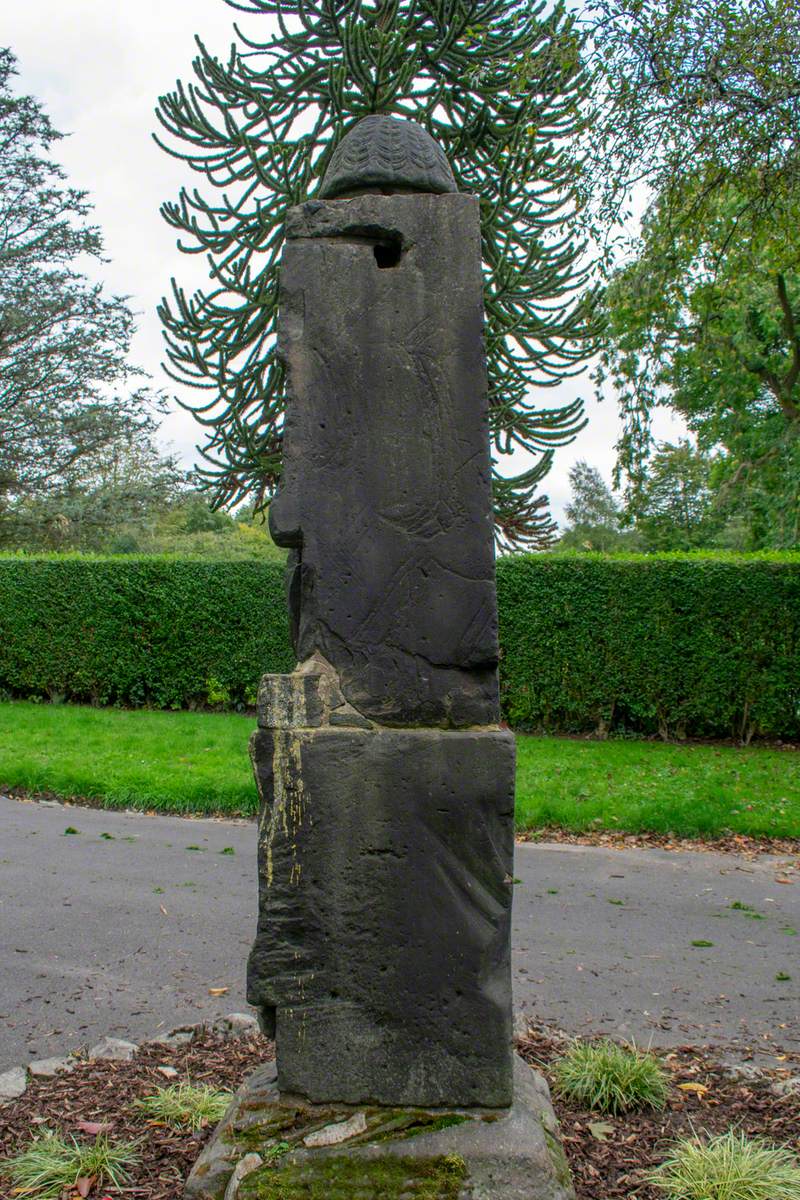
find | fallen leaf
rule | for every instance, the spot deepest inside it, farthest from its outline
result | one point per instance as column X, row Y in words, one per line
column 164, row 911
column 93, row 1127
column 783, row 879
column 600, row 1130
column 699, row 1088
column 84, row 1184
column 167, row 1072
column 217, row 991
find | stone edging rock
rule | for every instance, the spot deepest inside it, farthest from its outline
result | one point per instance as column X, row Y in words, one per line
column 14, row 1082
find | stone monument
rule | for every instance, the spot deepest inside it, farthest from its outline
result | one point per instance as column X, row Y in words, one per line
column 381, row 964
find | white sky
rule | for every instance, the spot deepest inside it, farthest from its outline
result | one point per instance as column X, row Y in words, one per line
column 98, row 66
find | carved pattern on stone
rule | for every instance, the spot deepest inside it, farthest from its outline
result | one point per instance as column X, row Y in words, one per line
column 383, row 152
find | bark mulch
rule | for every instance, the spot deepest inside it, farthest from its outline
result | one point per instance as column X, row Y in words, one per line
column 103, row 1092
column 732, row 843
column 612, row 1160
column 608, row 1161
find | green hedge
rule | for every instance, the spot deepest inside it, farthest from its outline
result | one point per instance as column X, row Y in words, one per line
column 681, row 645
column 677, row 644
column 167, row 633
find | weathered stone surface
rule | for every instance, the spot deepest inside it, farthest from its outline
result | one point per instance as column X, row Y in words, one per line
column 389, row 154
column 46, row 1067
column 381, row 961
column 382, row 953
column 13, row 1084
column 237, row 1025
column 385, row 497
column 338, row 1132
column 114, row 1048
column 787, row 1087
column 245, row 1166
column 511, row 1154
column 177, row 1037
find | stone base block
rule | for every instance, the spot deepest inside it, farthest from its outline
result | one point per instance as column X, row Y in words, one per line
column 301, row 1151
column 381, row 961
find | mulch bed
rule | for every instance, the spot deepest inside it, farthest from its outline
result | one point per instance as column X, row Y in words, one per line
column 612, row 1162
column 104, row 1092
column 732, row 843
column 606, row 1163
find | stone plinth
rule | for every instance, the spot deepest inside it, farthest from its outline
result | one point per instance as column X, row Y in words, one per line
column 381, row 961
column 349, row 1153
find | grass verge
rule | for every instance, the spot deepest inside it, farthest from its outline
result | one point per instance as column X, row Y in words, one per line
column 198, row 762
column 687, row 790
column 168, row 761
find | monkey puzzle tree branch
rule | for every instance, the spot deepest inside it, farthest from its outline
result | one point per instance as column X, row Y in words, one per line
column 500, row 85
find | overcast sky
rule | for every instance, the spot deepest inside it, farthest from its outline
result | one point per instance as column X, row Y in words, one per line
column 99, row 66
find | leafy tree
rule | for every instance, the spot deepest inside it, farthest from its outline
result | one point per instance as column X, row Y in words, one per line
column 707, row 89
column 716, row 337
column 110, row 500
column 67, row 392
column 192, row 528
column 500, row 85
column 592, row 514
column 673, row 508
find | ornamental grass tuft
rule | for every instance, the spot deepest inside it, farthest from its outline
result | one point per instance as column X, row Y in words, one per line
column 186, row 1106
column 52, row 1164
column 610, row 1078
column 730, row 1166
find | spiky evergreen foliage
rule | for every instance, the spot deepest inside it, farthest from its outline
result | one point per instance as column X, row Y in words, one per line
column 500, row 86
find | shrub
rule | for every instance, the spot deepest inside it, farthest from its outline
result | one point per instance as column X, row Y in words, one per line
column 671, row 644
column 610, row 1078
column 167, row 633
column 702, row 646
column 728, row 1167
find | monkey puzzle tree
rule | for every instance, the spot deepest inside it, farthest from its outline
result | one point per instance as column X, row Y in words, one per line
column 500, row 85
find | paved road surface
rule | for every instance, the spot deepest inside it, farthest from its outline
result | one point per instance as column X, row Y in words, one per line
column 125, row 934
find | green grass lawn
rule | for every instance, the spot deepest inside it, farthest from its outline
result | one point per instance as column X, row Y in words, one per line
column 197, row 762
column 637, row 786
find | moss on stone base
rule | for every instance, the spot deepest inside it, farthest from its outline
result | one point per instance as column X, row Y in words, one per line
column 291, row 1124
column 345, row 1178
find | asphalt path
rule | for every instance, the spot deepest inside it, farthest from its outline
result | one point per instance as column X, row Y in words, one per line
column 132, row 925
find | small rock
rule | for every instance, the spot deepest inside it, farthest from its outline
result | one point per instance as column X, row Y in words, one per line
column 246, row 1165
column 332, row 1135
column 178, row 1037
column 167, row 1072
column 13, row 1084
column 786, row 1087
column 237, row 1025
column 744, row 1071
column 114, row 1048
column 51, row 1066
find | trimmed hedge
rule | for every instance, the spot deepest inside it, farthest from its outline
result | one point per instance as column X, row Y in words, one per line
column 167, row 633
column 681, row 645
column 673, row 644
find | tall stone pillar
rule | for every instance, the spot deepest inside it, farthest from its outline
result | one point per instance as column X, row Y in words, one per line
column 381, row 963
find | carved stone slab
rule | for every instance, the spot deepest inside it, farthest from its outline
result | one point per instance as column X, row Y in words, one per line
column 386, row 497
